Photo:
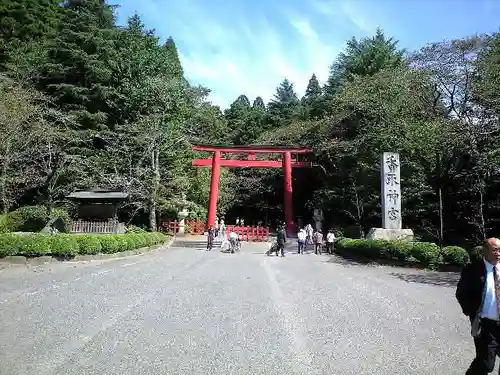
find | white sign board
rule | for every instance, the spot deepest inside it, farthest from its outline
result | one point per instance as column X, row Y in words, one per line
column 391, row 191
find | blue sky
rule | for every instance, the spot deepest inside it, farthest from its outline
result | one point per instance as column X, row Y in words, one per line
column 247, row 47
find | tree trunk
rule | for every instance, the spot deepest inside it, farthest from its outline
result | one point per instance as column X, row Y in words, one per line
column 3, row 188
column 482, row 222
column 155, row 166
column 441, row 220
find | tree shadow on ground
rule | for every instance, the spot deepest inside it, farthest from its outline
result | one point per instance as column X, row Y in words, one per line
column 447, row 275
column 449, row 279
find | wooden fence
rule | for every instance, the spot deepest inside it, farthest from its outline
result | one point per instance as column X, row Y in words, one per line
column 109, row 227
column 190, row 226
column 245, row 233
column 249, row 233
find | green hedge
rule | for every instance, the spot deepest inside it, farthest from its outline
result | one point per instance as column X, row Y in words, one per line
column 68, row 245
column 423, row 252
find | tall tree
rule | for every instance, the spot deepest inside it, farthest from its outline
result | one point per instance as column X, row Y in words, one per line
column 77, row 74
column 173, row 56
column 313, row 100
column 364, row 57
column 259, row 103
column 284, row 106
column 25, row 27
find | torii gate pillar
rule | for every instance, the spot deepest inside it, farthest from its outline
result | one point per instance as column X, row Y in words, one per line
column 288, row 203
column 214, row 189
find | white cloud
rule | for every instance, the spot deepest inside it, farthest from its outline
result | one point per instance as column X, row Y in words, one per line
column 236, row 51
column 355, row 11
column 358, row 17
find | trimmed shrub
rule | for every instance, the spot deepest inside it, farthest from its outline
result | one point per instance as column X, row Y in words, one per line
column 64, row 245
column 476, row 253
column 10, row 244
column 4, row 227
column 109, row 244
column 455, row 255
column 161, row 238
column 36, row 244
column 134, row 229
column 27, row 219
column 88, row 244
column 426, row 252
column 400, row 250
column 123, row 243
column 136, row 240
column 148, row 239
column 34, row 219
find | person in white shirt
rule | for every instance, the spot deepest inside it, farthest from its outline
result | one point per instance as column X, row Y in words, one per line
column 478, row 293
column 309, row 233
column 330, row 241
column 234, row 241
column 301, row 240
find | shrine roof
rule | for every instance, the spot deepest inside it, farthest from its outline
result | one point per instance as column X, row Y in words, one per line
column 253, row 148
column 98, row 195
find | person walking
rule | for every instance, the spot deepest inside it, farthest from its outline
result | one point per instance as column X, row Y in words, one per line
column 280, row 241
column 309, row 233
column 210, row 238
column 301, row 240
column 478, row 294
column 318, row 242
column 330, row 241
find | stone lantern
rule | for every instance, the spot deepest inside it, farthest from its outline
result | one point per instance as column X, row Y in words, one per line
column 182, row 214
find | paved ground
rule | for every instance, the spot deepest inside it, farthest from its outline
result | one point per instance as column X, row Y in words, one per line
column 186, row 311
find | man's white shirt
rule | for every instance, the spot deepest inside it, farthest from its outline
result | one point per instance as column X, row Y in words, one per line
column 301, row 236
column 233, row 236
column 490, row 309
column 330, row 237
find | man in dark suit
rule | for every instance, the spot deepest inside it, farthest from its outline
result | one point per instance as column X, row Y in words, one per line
column 478, row 293
column 280, row 240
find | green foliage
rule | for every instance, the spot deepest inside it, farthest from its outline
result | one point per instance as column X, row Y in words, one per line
column 424, row 252
column 109, row 244
column 4, row 228
column 33, row 219
column 10, row 244
column 134, row 229
column 85, row 102
column 65, row 245
column 27, row 219
column 35, row 244
column 455, row 255
column 476, row 253
column 284, row 106
column 122, row 243
column 68, row 245
column 88, row 244
column 365, row 57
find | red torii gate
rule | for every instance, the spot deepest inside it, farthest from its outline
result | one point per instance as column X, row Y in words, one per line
column 217, row 161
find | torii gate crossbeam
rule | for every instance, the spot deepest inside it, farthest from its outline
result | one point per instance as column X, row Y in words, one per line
column 217, row 161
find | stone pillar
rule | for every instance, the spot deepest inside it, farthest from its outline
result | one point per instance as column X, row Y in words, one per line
column 390, row 172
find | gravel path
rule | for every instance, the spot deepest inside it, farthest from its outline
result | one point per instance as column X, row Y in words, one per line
column 185, row 311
